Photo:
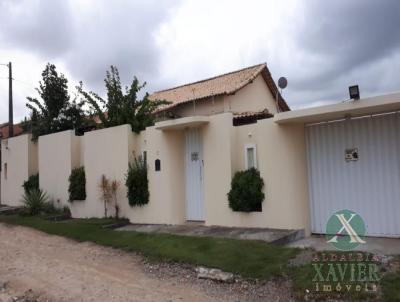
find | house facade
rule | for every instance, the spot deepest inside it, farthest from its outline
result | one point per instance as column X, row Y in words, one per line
column 216, row 127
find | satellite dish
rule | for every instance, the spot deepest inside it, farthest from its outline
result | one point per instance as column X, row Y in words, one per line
column 282, row 82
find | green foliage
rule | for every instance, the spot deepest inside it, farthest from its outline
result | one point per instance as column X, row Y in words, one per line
column 137, row 182
column 77, row 184
column 32, row 183
column 121, row 107
column 54, row 113
column 246, row 193
column 34, row 201
column 51, row 209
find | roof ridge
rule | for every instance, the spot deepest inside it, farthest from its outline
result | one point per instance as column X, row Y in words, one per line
column 212, row 78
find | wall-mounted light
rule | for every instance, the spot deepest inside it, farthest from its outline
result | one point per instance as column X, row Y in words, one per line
column 354, row 92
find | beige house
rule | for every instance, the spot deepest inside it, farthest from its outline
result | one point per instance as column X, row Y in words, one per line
column 249, row 94
column 313, row 161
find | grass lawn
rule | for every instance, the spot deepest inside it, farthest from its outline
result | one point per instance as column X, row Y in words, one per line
column 252, row 259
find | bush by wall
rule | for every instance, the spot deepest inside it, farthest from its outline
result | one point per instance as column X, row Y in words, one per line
column 31, row 184
column 137, row 183
column 246, row 193
column 77, row 184
column 34, row 201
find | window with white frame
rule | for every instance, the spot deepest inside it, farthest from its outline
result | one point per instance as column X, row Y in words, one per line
column 250, row 154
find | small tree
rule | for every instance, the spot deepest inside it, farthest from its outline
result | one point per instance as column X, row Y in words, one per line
column 121, row 107
column 137, row 182
column 105, row 192
column 113, row 190
column 54, row 112
column 109, row 190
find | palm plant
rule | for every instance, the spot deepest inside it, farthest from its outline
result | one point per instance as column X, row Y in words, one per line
column 34, row 201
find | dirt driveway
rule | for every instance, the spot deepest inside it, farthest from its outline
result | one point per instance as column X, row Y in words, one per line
column 58, row 269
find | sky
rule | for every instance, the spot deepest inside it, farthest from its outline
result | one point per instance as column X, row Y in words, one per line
column 321, row 47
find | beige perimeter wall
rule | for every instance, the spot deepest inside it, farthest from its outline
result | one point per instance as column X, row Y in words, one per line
column 20, row 155
column 109, row 152
column 281, row 160
column 59, row 153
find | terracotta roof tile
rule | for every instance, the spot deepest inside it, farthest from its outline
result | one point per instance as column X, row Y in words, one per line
column 249, row 117
column 264, row 112
column 224, row 84
column 4, row 130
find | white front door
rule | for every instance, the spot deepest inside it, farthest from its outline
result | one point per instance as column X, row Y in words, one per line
column 194, row 175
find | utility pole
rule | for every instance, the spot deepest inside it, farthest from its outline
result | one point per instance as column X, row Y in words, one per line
column 10, row 103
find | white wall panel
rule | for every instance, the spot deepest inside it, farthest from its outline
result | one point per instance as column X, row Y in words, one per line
column 369, row 186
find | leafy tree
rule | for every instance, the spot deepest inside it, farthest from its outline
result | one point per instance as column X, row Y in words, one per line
column 123, row 106
column 54, row 112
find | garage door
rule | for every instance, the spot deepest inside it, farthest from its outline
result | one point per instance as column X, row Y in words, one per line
column 355, row 164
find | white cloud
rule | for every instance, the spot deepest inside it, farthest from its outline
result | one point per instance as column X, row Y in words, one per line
column 204, row 38
column 321, row 49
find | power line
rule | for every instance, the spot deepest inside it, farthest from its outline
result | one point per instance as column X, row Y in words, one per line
column 22, row 82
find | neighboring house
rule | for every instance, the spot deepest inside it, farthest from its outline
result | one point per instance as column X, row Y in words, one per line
column 249, row 94
column 4, row 134
column 4, row 130
column 313, row 161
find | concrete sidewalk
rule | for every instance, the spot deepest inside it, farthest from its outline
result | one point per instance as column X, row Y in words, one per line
column 383, row 246
column 269, row 235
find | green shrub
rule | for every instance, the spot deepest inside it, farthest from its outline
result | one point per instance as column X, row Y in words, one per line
column 137, row 183
column 51, row 209
column 32, row 183
column 77, row 184
column 34, row 201
column 246, row 193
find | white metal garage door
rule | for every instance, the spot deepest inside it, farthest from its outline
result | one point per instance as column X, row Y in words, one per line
column 367, row 181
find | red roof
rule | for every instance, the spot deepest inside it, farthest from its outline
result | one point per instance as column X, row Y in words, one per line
column 224, row 84
column 4, row 130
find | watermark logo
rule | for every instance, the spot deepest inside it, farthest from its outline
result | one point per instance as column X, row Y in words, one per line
column 345, row 271
column 345, row 230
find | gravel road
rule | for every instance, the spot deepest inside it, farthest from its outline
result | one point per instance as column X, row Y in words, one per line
column 35, row 266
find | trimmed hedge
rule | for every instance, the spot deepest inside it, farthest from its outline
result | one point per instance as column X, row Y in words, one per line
column 246, row 193
column 77, row 184
column 31, row 184
column 137, row 183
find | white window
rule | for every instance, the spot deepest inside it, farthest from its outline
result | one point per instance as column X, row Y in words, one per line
column 250, row 156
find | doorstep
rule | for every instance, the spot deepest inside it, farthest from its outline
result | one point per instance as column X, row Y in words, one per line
column 276, row 236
